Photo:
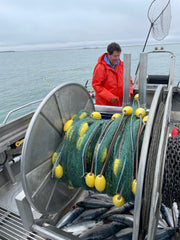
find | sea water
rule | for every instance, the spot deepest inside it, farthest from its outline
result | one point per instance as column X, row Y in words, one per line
column 26, row 76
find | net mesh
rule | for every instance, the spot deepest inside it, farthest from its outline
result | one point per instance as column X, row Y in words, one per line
column 102, row 146
column 159, row 15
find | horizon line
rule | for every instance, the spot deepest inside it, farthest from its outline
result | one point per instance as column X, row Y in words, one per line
column 86, row 45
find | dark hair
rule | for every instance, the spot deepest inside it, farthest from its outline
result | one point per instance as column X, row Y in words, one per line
column 113, row 47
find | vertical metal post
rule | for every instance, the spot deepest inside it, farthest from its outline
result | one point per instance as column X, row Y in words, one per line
column 171, row 73
column 126, row 78
column 25, row 211
column 142, row 79
column 10, row 172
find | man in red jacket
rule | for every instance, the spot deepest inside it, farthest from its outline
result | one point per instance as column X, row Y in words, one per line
column 108, row 77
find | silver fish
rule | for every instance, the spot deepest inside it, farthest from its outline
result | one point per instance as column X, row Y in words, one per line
column 162, row 223
column 90, row 214
column 164, row 234
column 100, row 196
column 125, row 234
column 69, row 217
column 122, row 234
column 131, row 211
column 94, row 203
column 102, row 232
column 122, row 218
column 176, row 213
column 167, row 215
column 76, row 229
column 115, row 210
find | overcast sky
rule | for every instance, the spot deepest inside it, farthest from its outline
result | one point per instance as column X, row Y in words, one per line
column 28, row 24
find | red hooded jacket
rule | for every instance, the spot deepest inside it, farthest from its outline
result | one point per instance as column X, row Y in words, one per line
column 108, row 82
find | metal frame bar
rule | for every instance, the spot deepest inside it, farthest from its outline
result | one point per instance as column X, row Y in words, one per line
column 142, row 165
column 24, row 209
column 126, row 78
column 52, row 232
column 159, row 169
column 108, row 109
column 16, row 109
column 142, row 79
column 171, row 70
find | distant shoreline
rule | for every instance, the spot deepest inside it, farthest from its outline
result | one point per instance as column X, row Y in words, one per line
column 7, row 51
column 151, row 44
column 87, row 47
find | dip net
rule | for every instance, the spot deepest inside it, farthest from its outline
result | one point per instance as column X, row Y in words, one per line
column 100, row 146
column 159, row 15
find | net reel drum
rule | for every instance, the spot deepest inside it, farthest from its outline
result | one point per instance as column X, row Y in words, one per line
column 44, row 133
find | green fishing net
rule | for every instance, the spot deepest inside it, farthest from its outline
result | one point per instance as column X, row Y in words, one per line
column 100, row 146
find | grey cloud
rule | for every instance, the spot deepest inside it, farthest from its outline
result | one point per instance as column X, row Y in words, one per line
column 55, row 21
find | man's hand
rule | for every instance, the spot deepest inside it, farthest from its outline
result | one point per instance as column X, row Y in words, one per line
column 114, row 99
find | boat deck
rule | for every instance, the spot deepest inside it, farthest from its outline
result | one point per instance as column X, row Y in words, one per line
column 11, row 226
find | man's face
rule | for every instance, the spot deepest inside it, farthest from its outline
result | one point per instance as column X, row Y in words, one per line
column 114, row 58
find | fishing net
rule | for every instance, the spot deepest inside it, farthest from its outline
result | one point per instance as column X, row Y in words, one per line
column 100, row 146
column 159, row 15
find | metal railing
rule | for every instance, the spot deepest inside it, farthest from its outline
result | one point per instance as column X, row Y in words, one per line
column 16, row 109
column 171, row 68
